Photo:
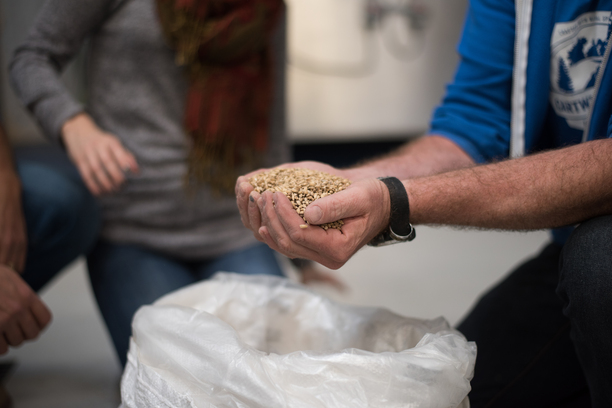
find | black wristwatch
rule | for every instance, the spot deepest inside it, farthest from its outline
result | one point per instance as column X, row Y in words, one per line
column 399, row 229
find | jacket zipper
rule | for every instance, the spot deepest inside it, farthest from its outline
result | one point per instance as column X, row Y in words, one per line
column 519, row 77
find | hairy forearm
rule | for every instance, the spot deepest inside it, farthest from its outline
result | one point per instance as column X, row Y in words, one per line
column 421, row 157
column 546, row 190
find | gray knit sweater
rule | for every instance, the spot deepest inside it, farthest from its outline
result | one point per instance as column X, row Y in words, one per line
column 136, row 92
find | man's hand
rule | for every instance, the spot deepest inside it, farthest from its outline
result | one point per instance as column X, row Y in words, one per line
column 364, row 207
column 246, row 198
column 100, row 157
column 13, row 236
column 22, row 314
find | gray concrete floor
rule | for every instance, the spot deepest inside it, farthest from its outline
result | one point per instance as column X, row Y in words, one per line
column 441, row 273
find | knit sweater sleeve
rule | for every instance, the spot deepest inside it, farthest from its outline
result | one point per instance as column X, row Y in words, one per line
column 37, row 64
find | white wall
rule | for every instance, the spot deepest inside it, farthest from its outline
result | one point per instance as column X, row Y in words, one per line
column 394, row 98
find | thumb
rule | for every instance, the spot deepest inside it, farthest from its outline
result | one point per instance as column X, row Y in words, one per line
column 334, row 207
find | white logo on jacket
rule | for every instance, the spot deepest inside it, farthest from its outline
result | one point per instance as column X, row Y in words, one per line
column 577, row 49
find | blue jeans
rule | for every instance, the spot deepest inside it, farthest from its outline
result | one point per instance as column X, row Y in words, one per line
column 544, row 334
column 585, row 287
column 62, row 220
column 125, row 277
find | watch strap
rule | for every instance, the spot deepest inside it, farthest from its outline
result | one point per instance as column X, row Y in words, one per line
column 400, row 229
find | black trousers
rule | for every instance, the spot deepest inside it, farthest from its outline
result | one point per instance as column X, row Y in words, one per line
column 544, row 334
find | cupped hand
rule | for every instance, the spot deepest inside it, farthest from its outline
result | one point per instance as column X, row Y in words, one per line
column 13, row 234
column 246, row 197
column 22, row 314
column 100, row 157
column 364, row 207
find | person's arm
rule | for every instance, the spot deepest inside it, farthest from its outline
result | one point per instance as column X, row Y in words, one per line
column 22, row 314
column 471, row 125
column 13, row 235
column 547, row 190
column 35, row 69
column 424, row 156
column 100, row 157
column 427, row 155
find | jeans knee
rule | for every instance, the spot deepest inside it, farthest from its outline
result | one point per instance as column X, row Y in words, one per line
column 88, row 217
column 59, row 212
column 585, row 273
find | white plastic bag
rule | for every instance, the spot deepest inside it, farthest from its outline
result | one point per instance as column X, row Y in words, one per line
column 265, row 342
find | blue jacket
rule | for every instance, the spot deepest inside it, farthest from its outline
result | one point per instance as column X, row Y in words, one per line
column 532, row 76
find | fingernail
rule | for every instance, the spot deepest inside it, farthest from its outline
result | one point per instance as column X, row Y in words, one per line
column 251, row 199
column 314, row 214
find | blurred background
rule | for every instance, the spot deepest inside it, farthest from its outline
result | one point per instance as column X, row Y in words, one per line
column 363, row 77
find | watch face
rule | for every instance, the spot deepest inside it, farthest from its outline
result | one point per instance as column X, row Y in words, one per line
column 388, row 237
column 403, row 238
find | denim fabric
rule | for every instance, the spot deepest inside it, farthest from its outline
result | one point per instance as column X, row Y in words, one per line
column 62, row 220
column 544, row 334
column 525, row 355
column 585, row 286
column 125, row 277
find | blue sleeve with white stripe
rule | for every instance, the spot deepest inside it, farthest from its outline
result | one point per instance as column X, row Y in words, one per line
column 475, row 112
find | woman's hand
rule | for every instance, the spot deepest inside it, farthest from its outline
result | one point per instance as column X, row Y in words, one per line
column 100, row 157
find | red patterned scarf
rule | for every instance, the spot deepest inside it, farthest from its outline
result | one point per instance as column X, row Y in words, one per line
column 225, row 47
